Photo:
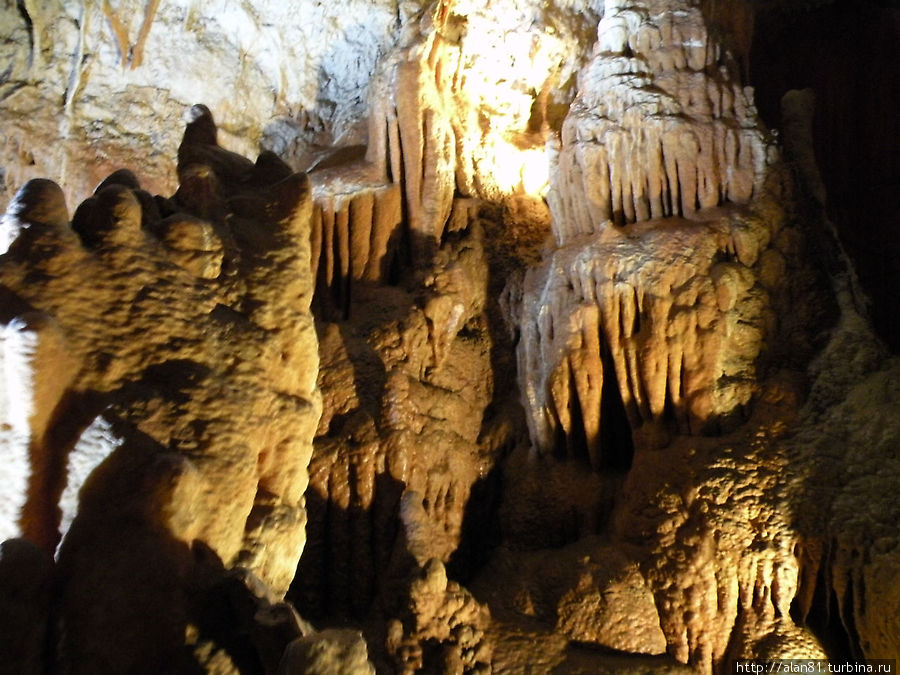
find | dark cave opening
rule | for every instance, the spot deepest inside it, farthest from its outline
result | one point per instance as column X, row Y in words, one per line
column 480, row 533
column 616, row 442
column 847, row 52
column 349, row 555
column 824, row 619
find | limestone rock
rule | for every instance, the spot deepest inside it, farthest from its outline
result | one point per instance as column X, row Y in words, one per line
column 667, row 319
column 783, row 640
column 597, row 393
column 661, row 126
column 238, row 623
column 42, row 204
column 139, row 392
column 406, row 380
column 442, row 629
column 356, row 238
column 613, row 607
column 681, row 486
column 122, row 73
column 467, row 100
column 330, row 652
column 551, row 503
column 37, row 367
column 658, row 326
column 591, row 593
column 849, row 547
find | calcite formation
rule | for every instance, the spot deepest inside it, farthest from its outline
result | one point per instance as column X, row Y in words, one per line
column 655, row 305
column 109, row 80
column 658, row 328
column 145, row 339
column 474, row 89
column 523, row 346
column 406, row 379
column 661, row 125
column 402, row 279
column 443, row 629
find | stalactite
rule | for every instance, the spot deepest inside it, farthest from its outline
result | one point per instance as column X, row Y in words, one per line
column 647, row 116
column 683, row 349
column 355, row 237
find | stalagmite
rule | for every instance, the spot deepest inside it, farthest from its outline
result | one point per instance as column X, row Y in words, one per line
column 147, row 409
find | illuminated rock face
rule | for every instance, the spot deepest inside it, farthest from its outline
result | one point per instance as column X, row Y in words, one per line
column 661, row 320
column 146, row 341
column 406, row 380
column 467, row 100
column 661, row 126
column 440, row 612
column 660, row 326
column 637, row 447
column 402, row 276
column 118, row 76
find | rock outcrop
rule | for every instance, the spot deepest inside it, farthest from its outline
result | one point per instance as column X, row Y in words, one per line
column 648, row 324
column 109, row 81
column 661, row 126
column 550, row 363
column 442, row 629
column 406, row 380
column 467, row 101
column 402, row 279
column 660, row 323
column 143, row 342
column 657, row 329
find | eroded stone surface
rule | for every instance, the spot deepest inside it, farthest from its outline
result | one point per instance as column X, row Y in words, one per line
column 329, row 652
column 442, row 628
column 679, row 499
column 119, row 76
column 406, row 379
column 661, row 126
column 142, row 378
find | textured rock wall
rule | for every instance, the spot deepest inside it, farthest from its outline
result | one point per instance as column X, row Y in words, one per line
column 108, row 81
column 663, row 489
column 473, row 90
column 660, row 329
column 402, row 278
column 665, row 319
column 144, row 338
column 406, row 378
column 760, row 542
column 852, row 547
column 661, row 126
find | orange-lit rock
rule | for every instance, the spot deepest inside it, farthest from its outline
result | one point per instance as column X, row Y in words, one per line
column 597, row 389
column 661, row 126
column 149, row 412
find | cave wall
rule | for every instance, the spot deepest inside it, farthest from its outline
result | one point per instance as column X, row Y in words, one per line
column 550, row 332
column 836, row 50
column 110, row 81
